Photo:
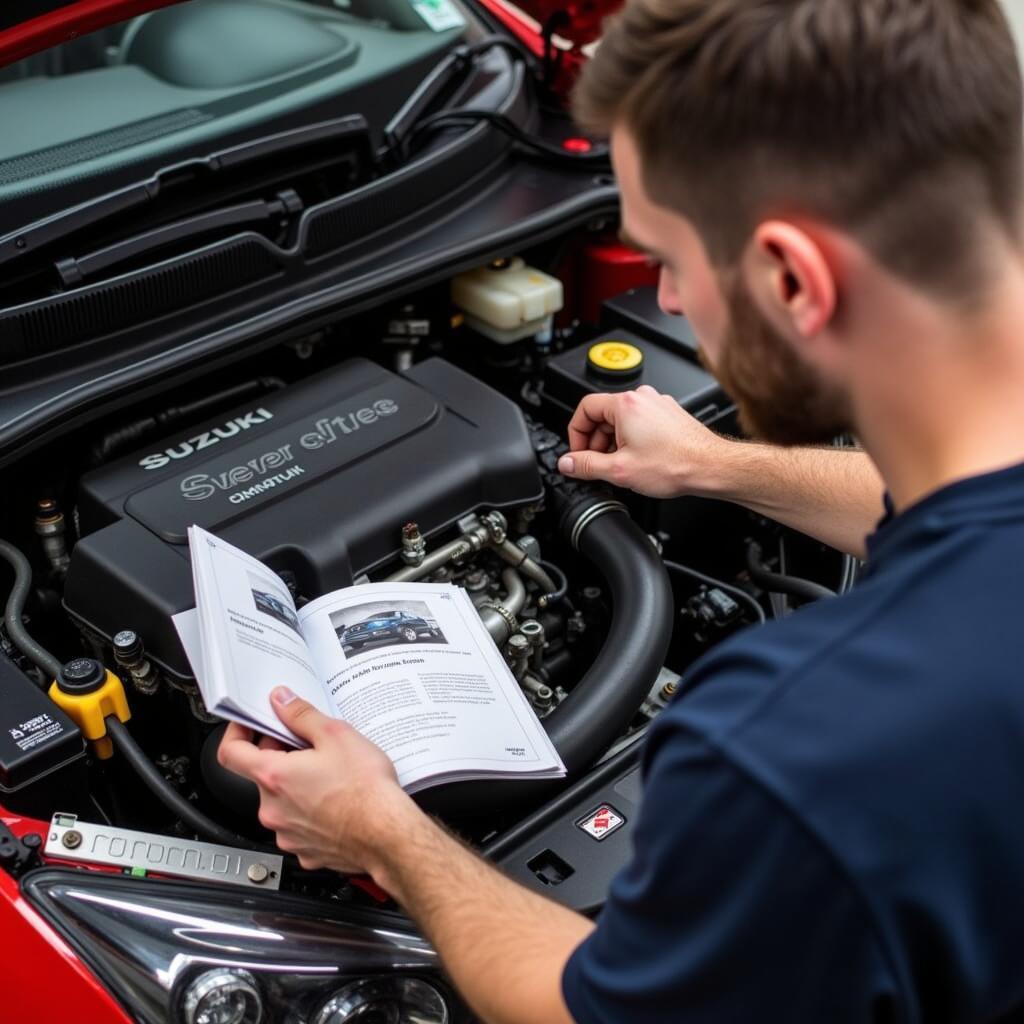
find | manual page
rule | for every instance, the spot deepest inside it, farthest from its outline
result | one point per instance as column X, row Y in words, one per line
column 244, row 638
column 412, row 667
column 409, row 665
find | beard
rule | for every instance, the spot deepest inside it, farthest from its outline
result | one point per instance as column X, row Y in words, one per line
column 779, row 397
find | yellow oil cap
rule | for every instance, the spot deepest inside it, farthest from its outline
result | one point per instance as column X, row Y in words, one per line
column 87, row 693
column 613, row 358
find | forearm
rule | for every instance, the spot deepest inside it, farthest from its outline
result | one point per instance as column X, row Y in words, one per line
column 503, row 946
column 832, row 494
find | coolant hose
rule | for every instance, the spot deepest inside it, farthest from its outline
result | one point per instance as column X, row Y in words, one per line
column 167, row 794
column 602, row 704
column 599, row 708
column 35, row 652
column 777, row 583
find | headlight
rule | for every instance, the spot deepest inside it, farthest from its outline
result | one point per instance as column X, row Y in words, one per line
column 223, row 997
column 385, row 1001
column 203, row 954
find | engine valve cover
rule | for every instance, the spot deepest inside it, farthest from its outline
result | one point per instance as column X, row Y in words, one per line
column 316, row 480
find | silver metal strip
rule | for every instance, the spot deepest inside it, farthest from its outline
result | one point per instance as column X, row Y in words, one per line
column 592, row 513
column 71, row 839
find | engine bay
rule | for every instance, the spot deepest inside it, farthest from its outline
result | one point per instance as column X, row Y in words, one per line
column 408, row 442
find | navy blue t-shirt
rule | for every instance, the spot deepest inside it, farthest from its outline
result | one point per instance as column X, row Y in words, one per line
column 833, row 819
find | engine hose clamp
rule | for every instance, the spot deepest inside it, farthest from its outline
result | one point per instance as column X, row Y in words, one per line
column 509, row 619
column 589, row 515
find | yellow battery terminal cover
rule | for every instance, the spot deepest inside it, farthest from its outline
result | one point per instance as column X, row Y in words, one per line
column 88, row 710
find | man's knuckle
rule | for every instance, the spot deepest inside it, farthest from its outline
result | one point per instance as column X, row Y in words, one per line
column 618, row 471
column 335, row 729
column 268, row 777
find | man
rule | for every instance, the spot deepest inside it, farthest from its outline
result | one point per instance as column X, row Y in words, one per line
column 832, row 827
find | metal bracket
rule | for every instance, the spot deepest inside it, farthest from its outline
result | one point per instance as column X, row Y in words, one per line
column 142, row 852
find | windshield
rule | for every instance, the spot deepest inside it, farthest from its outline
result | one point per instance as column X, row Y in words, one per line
column 188, row 78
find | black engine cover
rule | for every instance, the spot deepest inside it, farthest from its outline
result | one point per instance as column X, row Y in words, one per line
column 317, row 480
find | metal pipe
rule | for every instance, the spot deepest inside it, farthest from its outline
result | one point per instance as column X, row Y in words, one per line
column 500, row 617
column 458, row 548
column 517, row 557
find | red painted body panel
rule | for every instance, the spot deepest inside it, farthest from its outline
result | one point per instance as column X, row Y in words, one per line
column 67, row 23
column 39, row 968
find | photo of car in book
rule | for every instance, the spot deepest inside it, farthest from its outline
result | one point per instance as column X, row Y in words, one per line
column 377, row 624
column 274, row 605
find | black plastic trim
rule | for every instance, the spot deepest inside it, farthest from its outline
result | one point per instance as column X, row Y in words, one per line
column 525, row 203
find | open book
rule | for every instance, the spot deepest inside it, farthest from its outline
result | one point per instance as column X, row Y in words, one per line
column 409, row 665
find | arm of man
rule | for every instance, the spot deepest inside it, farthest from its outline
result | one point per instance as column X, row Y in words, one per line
column 729, row 907
column 338, row 805
column 644, row 441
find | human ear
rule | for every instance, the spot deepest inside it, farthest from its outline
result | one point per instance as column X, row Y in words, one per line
column 793, row 276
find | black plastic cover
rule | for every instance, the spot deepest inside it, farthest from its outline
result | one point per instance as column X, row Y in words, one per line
column 557, row 851
column 316, row 480
column 40, row 747
column 638, row 311
column 568, row 377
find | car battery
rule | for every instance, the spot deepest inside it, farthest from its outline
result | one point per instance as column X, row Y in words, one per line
column 637, row 311
column 42, row 756
column 621, row 361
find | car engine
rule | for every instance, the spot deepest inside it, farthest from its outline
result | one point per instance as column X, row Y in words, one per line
column 318, row 480
column 406, row 444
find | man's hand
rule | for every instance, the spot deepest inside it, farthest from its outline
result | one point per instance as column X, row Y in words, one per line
column 642, row 440
column 332, row 804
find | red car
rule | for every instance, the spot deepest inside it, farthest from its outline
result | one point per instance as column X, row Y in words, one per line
column 326, row 277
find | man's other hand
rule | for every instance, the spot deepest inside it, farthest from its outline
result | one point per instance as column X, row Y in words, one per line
column 642, row 440
column 331, row 804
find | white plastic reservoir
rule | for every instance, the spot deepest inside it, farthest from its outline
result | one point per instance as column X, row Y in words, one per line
column 508, row 300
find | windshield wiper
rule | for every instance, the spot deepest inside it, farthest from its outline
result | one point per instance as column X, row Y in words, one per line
column 327, row 141
column 254, row 214
column 442, row 79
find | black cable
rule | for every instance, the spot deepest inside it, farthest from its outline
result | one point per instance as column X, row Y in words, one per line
column 710, row 581
column 168, row 795
column 32, row 650
column 559, row 577
column 513, row 46
column 467, row 115
column 777, row 583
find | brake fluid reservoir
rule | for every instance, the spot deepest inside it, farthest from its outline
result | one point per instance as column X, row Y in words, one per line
column 507, row 300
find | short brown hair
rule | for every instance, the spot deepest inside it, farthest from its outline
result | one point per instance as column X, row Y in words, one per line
column 899, row 120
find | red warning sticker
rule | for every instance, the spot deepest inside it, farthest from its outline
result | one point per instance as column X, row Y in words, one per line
column 601, row 822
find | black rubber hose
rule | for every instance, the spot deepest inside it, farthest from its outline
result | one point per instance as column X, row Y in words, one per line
column 35, row 652
column 168, row 795
column 776, row 583
column 601, row 705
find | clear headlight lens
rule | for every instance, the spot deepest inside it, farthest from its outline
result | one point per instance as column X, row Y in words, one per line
column 202, row 954
column 384, row 1001
column 223, row 997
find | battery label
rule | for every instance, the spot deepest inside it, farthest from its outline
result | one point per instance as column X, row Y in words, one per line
column 602, row 822
column 28, row 734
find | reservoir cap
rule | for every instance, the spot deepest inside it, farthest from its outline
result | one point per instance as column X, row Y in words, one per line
column 81, row 675
column 615, row 359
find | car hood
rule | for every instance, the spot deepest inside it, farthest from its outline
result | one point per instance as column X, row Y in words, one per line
column 28, row 26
